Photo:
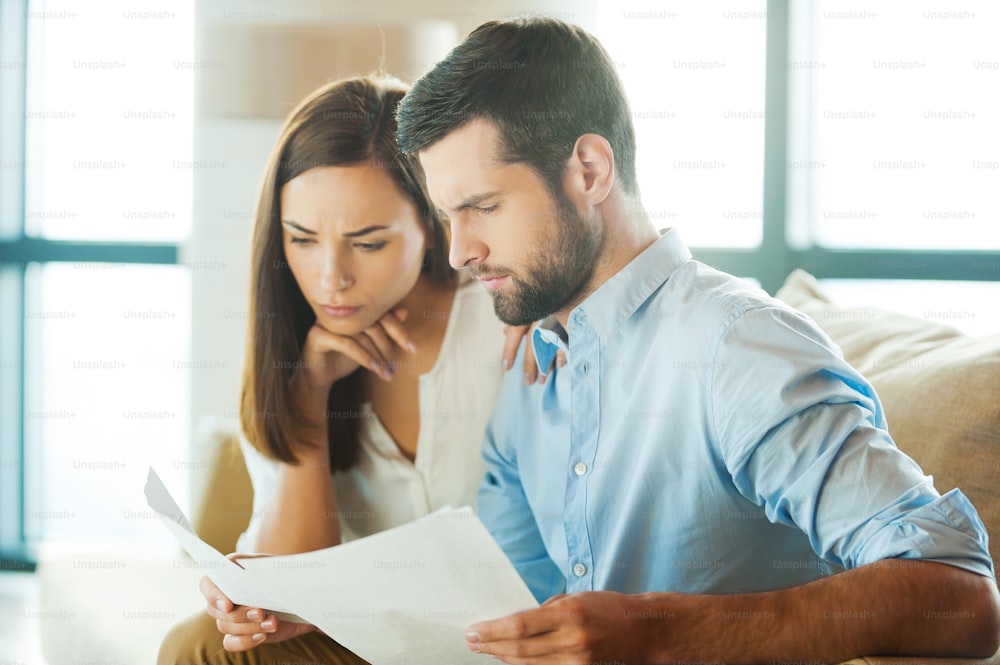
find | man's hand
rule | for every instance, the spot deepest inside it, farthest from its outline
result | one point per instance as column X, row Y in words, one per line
column 586, row 627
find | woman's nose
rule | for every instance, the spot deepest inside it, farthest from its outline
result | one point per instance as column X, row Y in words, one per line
column 335, row 276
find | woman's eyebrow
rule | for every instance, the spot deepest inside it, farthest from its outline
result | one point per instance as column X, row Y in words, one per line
column 364, row 231
column 288, row 222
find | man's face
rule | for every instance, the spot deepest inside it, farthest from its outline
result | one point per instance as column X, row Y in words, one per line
column 532, row 251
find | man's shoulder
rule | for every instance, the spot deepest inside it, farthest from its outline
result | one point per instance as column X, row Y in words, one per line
column 698, row 296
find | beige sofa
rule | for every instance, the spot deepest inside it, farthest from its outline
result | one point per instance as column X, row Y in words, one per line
column 940, row 390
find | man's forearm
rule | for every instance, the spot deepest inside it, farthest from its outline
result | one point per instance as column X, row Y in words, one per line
column 892, row 607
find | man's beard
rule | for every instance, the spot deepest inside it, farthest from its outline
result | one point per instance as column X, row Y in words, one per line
column 556, row 272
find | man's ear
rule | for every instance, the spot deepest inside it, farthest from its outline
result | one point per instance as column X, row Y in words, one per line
column 590, row 170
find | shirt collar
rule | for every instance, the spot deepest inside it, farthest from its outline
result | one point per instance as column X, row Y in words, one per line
column 548, row 338
column 616, row 299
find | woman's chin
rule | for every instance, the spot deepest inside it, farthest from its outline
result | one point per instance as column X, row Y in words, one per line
column 345, row 326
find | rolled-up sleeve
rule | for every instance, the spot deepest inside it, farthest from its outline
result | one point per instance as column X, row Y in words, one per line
column 818, row 456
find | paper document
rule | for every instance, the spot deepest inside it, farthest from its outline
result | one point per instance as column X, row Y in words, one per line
column 405, row 595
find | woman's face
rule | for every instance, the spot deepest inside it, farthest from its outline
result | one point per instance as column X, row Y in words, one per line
column 354, row 243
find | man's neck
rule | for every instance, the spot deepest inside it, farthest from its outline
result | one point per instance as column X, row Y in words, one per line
column 628, row 231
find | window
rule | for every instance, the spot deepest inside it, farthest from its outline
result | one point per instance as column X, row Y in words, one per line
column 96, row 195
column 903, row 112
column 694, row 75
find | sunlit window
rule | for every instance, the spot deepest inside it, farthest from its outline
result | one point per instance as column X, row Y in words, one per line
column 109, row 158
column 904, row 142
column 109, row 120
column 694, row 74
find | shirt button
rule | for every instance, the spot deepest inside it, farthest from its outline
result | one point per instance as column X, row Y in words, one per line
column 580, row 468
column 579, row 570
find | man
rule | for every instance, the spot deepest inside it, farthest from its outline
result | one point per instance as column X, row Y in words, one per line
column 686, row 486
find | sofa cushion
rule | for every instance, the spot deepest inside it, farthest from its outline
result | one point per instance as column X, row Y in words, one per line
column 939, row 387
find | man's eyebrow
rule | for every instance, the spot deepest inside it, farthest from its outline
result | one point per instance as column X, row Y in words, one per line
column 288, row 222
column 475, row 200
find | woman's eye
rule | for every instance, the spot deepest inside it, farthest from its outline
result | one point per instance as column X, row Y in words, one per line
column 301, row 241
column 370, row 246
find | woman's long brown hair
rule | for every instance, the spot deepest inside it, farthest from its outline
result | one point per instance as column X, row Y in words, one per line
column 343, row 123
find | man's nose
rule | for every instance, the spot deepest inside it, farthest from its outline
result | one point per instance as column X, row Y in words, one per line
column 466, row 248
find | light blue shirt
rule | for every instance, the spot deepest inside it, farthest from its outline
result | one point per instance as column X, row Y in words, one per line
column 703, row 438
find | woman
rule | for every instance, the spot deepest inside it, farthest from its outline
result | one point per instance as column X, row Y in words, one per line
column 369, row 358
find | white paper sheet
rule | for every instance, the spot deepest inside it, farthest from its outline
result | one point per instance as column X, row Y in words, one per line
column 231, row 578
column 405, row 595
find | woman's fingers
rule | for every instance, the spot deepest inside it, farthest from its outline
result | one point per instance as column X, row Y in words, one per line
column 531, row 372
column 242, row 642
column 392, row 323
column 360, row 349
column 512, row 340
column 214, row 598
column 514, row 336
column 378, row 363
column 269, row 630
column 243, row 635
column 383, row 345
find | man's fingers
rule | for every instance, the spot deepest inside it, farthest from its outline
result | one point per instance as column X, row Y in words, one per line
column 514, row 627
column 547, row 648
column 540, row 636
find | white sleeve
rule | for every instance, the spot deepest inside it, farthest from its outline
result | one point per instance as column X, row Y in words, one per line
column 264, row 478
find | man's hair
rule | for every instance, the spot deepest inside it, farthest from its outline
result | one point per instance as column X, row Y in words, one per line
column 541, row 81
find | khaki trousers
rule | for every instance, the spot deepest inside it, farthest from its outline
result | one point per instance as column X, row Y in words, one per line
column 197, row 641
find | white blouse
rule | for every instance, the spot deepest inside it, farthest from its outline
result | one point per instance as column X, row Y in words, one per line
column 456, row 398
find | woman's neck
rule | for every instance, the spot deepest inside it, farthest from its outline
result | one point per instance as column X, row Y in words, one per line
column 427, row 302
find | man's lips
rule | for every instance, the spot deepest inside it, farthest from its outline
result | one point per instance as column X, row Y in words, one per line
column 339, row 311
column 493, row 283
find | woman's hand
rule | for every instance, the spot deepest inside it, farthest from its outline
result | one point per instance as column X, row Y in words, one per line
column 327, row 357
column 514, row 335
column 246, row 627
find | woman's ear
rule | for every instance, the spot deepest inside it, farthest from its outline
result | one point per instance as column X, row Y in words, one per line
column 590, row 170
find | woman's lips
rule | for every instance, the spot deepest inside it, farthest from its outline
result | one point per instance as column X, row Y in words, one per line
column 339, row 312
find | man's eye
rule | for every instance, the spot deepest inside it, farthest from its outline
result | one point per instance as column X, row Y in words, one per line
column 487, row 210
